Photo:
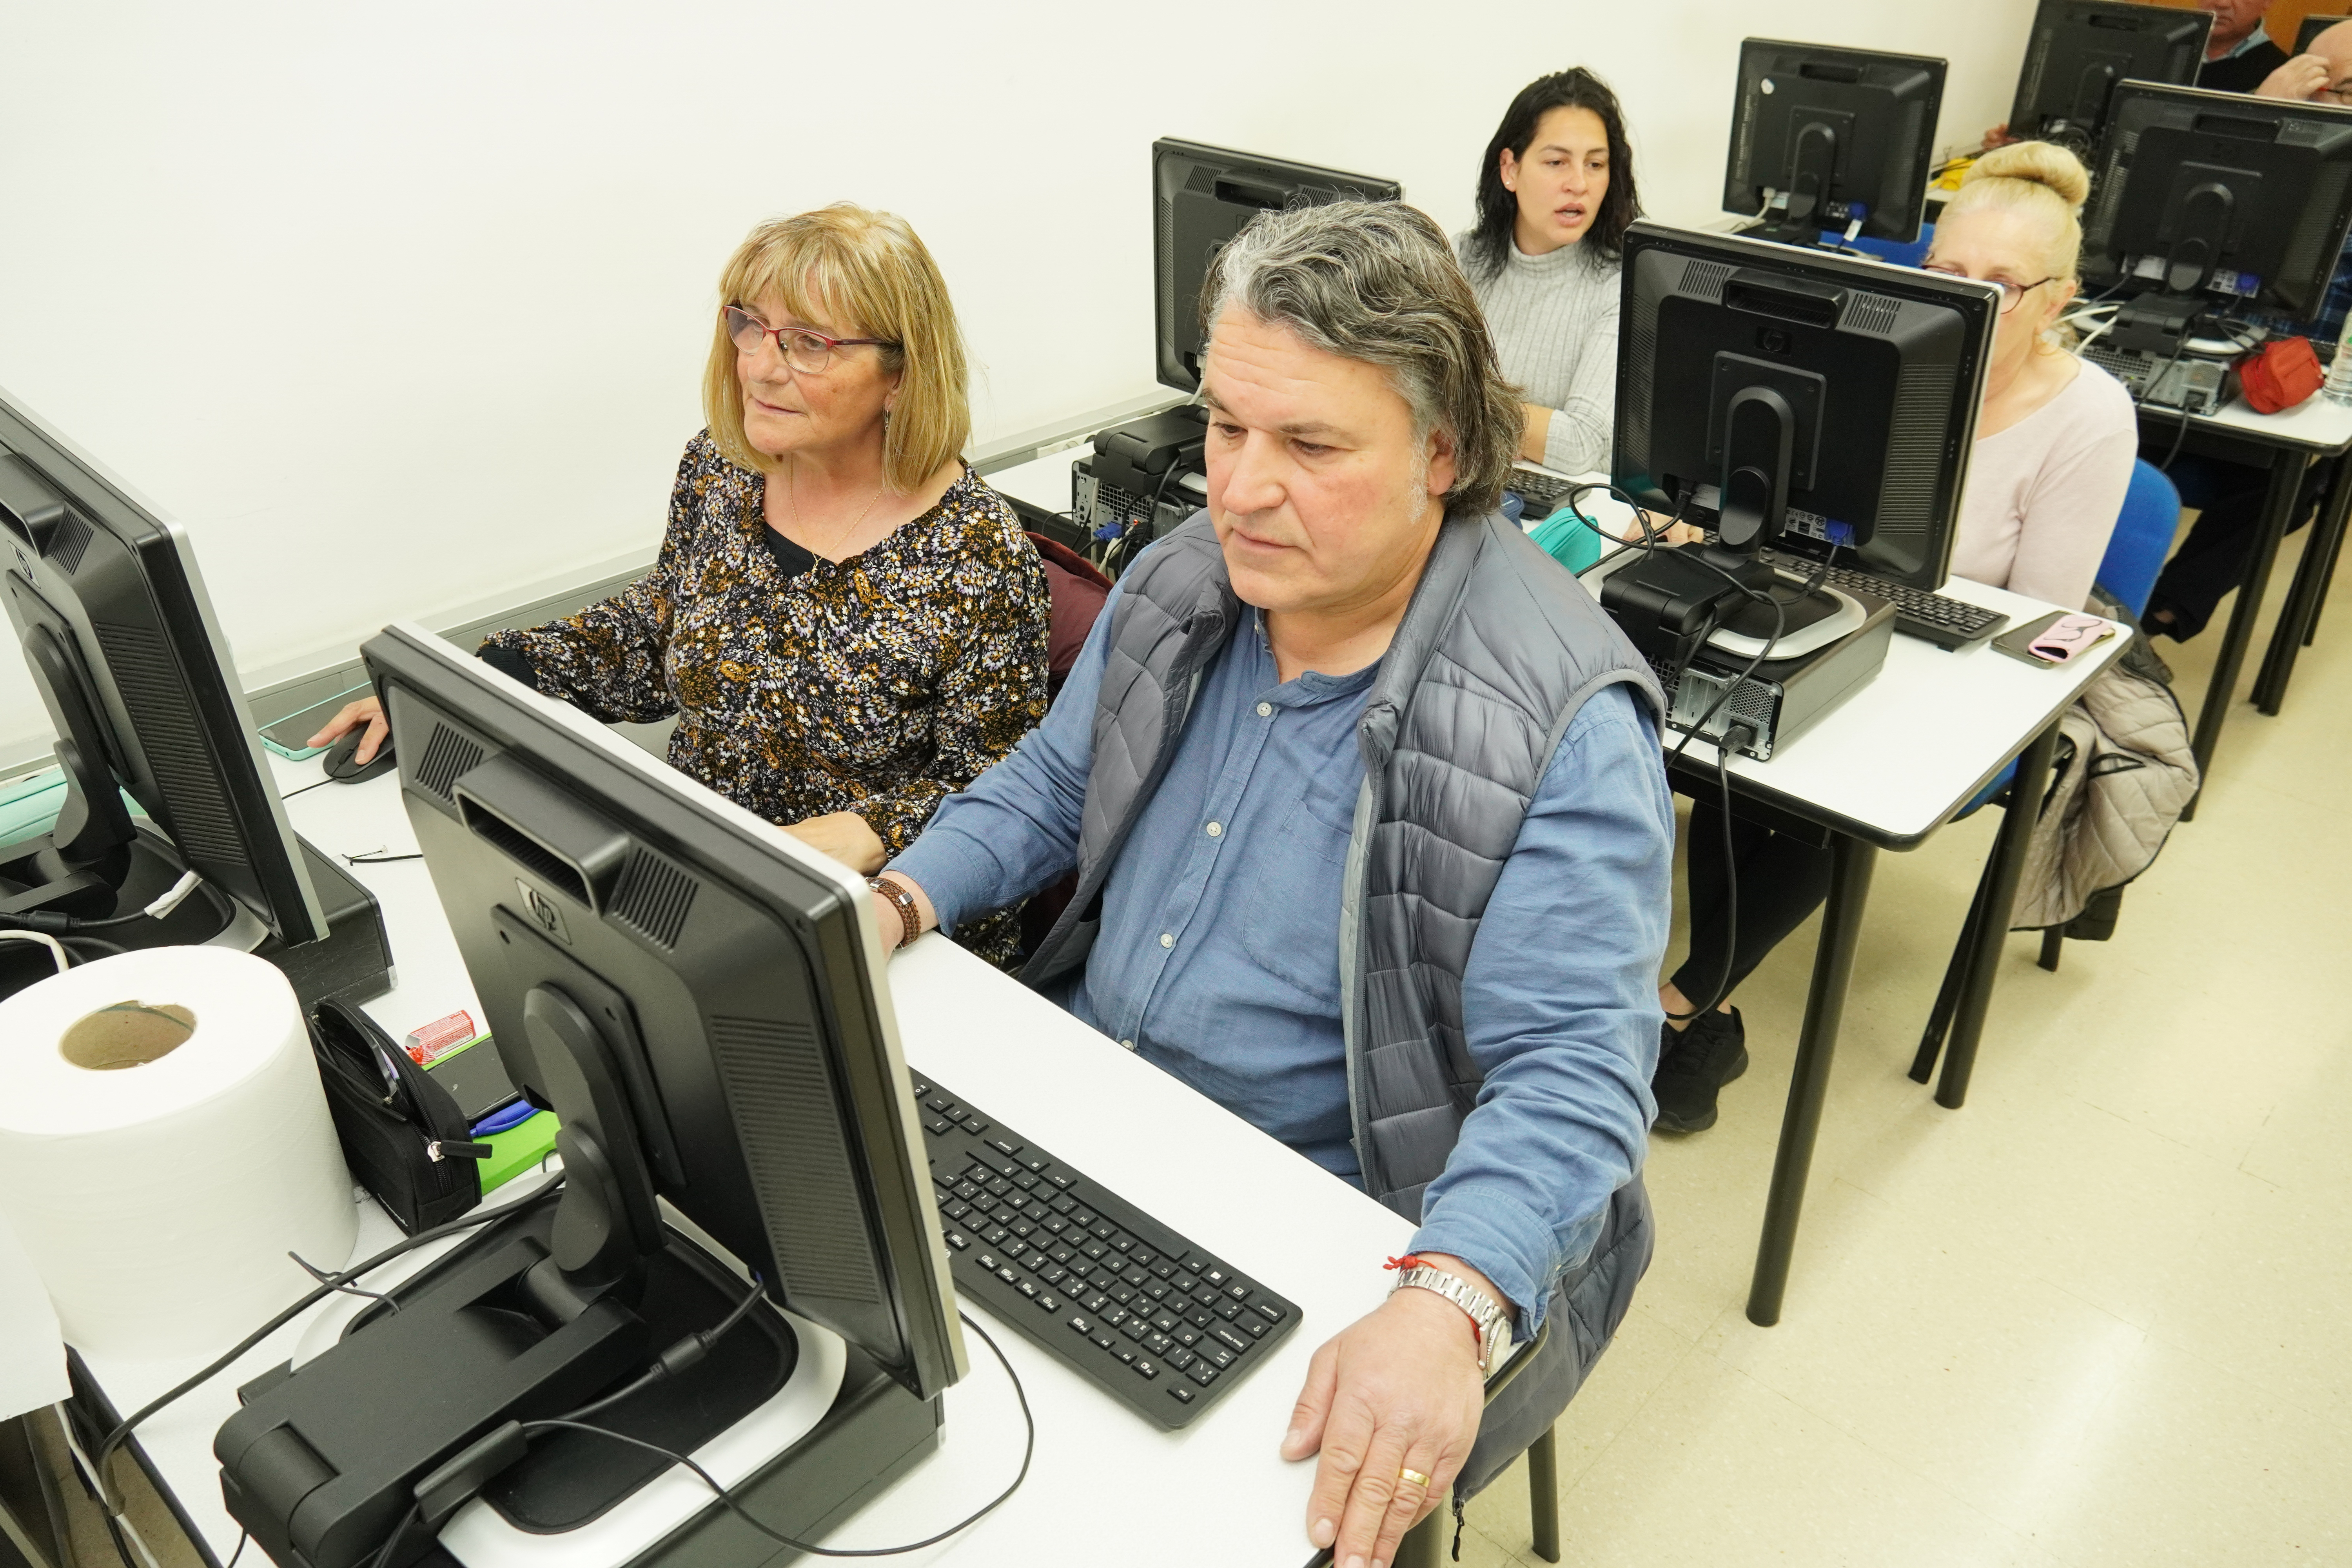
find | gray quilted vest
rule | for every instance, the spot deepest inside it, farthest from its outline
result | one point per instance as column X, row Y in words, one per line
column 1497, row 651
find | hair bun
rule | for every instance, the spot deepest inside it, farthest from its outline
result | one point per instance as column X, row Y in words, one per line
column 2037, row 163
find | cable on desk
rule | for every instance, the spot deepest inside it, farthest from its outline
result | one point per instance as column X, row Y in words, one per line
column 1028, row 1451
column 121, row 1432
column 315, row 1272
column 189, row 884
column 242, row 1537
column 685, row 1354
column 378, row 857
column 57, row 948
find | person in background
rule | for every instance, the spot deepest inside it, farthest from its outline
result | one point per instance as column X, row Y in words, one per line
column 848, row 624
column 2238, row 54
column 2228, row 496
column 1340, row 746
column 2055, row 447
column 1555, row 194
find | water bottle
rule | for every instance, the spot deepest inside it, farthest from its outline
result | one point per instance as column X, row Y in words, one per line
column 2338, row 388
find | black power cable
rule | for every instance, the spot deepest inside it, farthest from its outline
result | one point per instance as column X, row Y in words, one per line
column 1028, row 1451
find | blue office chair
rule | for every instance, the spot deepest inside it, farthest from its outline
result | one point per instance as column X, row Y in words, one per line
column 2136, row 552
column 1901, row 255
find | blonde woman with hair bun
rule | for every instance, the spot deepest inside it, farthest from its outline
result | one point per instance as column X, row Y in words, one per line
column 2056, row 434
column 2055, row 442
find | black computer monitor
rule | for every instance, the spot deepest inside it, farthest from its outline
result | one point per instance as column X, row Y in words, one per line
column 1201, row 197
column 1799, row 400
column 1831, row 138
column 701, row 999
column 2310, row 27
column 2080, row 51
column 2210, row 203
column 120, row 638
column 624, row 925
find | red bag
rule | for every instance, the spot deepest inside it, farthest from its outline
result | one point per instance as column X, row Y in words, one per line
column 2280, row 374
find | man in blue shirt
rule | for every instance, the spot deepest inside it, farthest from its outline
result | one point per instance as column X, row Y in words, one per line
column 1434, row 974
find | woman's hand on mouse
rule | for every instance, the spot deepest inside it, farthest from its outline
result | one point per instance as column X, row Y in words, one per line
column 367, row 710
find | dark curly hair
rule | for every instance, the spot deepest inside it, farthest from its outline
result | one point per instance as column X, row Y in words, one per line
column 1498, row 208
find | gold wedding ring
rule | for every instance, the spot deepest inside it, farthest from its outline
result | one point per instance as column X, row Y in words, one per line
column 1415, row 1477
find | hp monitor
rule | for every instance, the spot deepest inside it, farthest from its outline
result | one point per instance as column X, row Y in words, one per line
column 1201, row 197
column 2080, row 51
column 2307, row 31
column 1825, row 138
column 701, row 1001
column 2213, row 204
column 1801, row 402
column 112, row 616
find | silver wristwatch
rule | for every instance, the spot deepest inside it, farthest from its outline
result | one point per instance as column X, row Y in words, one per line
column 1494, row 1326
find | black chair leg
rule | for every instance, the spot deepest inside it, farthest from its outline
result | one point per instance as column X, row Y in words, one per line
column 2052, row 939
column 1543, row 1496
column 1947, row 998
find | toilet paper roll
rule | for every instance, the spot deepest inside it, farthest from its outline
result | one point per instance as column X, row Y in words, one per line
column 164, row 1144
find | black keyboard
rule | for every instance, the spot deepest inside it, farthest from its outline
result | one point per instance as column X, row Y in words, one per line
column 1931, row 617
column 1543, row 491
column 1159, row 1325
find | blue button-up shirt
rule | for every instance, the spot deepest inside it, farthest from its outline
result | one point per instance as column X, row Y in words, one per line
column 1218, row 956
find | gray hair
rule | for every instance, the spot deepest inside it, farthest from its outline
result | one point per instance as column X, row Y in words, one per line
column 1376, row 282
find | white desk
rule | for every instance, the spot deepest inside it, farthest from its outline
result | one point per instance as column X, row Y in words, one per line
column 1175, row 1154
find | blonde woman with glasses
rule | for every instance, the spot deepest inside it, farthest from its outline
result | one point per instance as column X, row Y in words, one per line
column 2055, row 440
column 847, row 624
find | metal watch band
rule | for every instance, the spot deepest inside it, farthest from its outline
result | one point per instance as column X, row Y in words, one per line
column 1494, row 1327
column 910, row 919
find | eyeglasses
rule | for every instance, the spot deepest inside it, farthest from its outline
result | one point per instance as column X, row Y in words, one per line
column 809, row 352
column 2011, row 294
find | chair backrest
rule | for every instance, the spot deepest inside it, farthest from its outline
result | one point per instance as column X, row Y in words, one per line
column 2143, row 536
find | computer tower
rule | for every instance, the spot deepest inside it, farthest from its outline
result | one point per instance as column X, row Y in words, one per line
column 1784, row 697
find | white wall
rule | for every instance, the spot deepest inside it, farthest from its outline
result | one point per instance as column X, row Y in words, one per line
column 397, row 306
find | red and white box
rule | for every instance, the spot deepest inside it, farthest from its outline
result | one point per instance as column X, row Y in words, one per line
column 428, row 1043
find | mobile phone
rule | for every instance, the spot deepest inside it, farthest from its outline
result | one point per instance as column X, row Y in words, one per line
column 477, row 1078
column 2018, row 641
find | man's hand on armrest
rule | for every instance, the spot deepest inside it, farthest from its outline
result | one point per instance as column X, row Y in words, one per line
column 1400, row 1389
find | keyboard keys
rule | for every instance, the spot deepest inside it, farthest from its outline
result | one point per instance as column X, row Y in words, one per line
column 1124, row 1295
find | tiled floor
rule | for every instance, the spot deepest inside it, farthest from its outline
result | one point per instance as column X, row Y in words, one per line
column 2101, row 1315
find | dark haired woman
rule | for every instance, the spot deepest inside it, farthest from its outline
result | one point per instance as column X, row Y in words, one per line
column 1555, row 195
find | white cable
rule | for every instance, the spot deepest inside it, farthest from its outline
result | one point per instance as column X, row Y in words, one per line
column 188, row 883
column 56, row 948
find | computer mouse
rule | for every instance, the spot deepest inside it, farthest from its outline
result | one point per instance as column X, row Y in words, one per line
column 339, row 767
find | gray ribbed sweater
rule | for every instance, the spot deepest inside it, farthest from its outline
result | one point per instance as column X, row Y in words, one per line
column 1555, row 323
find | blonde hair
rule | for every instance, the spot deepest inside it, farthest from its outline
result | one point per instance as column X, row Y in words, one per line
column 2037, row 178
column 868, row 275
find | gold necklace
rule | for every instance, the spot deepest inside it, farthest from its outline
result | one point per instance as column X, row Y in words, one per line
column 793, row 499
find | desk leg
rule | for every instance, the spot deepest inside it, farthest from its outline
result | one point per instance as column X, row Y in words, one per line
column 2301, row 610
column 2278, row 504
column 2327, row 570
column 1825, row 1008
column 2026, row 792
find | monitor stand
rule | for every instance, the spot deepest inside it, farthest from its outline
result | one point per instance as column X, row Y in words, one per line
column 353, row 961
column 320, row 1459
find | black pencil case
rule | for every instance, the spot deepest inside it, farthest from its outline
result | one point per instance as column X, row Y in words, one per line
column 402, row 1134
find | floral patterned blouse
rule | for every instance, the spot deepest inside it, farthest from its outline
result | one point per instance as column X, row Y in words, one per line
column 879, row 685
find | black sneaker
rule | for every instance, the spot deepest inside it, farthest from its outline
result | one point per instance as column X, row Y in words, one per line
column 1708, row 1055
